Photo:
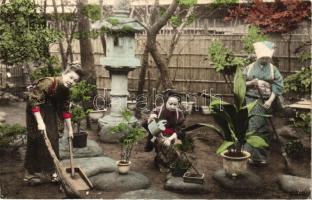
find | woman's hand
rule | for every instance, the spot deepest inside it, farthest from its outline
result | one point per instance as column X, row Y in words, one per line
column 151, row 118
column 41, row 126
column 267, row 104
column 253, row 82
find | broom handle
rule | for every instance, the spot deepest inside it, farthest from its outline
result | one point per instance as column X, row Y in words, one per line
column 70, row 144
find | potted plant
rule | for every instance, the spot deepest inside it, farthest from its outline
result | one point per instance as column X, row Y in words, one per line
column 233, row 120
column 80, row 96
column 132, row 133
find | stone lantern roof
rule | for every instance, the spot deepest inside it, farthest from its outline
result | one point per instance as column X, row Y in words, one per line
column 120, row 22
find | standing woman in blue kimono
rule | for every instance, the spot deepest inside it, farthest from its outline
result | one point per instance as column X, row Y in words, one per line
column 262, row 76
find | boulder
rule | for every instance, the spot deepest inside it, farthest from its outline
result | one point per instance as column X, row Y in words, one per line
column 148, row 194
column 295, row 184
column 92, row 149
column 247, row 181
column 176, row 184
column 114, row 181
column 94, row 165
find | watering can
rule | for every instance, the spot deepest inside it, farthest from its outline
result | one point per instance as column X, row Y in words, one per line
column 156, row 127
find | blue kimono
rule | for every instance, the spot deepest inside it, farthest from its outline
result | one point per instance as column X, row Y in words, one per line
column 271, row 75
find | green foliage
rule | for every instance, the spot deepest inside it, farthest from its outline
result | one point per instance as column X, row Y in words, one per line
column 92, row 11
column 305, row 56
column 233, row 119
column 24, row 37
column 294, row 149
column 82, row 92
column 78, row 114
column 80, row 95
column 254, row 35
column 224, row 2
column 86, row 34
column 113, row 21
column 187, row 3
column 132, row 133
column 45, row 72
column 299, row 83
column 302, row 120
column 175, row 21
column 9, row 133
column 223, row 59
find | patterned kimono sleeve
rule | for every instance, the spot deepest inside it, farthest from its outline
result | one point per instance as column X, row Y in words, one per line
column 277, row 84
column 39, row 93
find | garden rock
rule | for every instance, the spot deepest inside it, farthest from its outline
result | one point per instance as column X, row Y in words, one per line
column 295, row 184
column 94, row 166
column 91, row 150
column 116, row 182
column 176, row 184
column 247, row 181
column 148, row 194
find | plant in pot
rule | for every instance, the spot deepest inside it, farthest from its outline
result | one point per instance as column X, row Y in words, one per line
column 132, row 133
column 80, row 96
column 233, row 120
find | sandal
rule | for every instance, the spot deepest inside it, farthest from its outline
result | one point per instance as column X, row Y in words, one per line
column 55, row 178
column 32, row 180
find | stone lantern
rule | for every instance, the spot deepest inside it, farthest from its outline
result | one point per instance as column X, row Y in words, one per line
column 119, row 61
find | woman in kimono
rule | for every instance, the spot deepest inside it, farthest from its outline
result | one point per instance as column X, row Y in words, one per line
column 174, row 117
column 262, row 76
column 47, row 110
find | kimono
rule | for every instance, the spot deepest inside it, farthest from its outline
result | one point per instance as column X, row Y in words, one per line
column 274, row 81
column 51, row 98
column 165, row 155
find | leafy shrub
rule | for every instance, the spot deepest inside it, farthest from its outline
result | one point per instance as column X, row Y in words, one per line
column 223, row 59
column 9, row 133
column 299, row 83
column 45, row 72
column 92, row 11
column 254, row 35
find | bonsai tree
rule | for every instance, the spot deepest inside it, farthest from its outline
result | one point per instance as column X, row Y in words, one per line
column 132, row 133
column 233, row 120
column 80, row 96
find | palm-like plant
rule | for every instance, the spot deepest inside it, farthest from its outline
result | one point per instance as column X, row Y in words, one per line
column 233, row 120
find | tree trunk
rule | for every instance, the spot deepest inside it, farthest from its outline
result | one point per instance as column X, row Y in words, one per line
column 142, row 75
column 160, row 64
column 86, row 51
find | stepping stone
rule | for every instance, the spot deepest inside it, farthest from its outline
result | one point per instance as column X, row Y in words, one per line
column 114, row 182
column 176, row 184
column 295, row 184
column 148, row 194
column 92, row 149
column 93, row 166
column 247, row 181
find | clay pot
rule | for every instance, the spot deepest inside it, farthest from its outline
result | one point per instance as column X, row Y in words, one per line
column 96, row 114
column 234, row 166
column 205, row 110
column 123, row 167
column 80, row 139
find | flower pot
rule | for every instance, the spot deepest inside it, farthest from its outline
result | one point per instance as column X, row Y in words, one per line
column 205, row 110
column 123, row 167
column 80, row 139
column 234, row 166
column 96, row 114
column 131, row 105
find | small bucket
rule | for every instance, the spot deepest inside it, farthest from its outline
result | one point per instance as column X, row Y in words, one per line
column 80, row 140
column 156, row 127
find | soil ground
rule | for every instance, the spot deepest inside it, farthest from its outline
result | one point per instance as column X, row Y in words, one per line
column 206, row 161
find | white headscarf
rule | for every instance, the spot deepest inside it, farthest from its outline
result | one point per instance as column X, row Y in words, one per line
column 264, row 49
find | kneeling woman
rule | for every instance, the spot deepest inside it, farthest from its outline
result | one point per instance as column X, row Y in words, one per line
column 174, row 117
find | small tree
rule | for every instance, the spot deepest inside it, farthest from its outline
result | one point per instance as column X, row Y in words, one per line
column 133, row 132
column 24, row 36
column 80, row 95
